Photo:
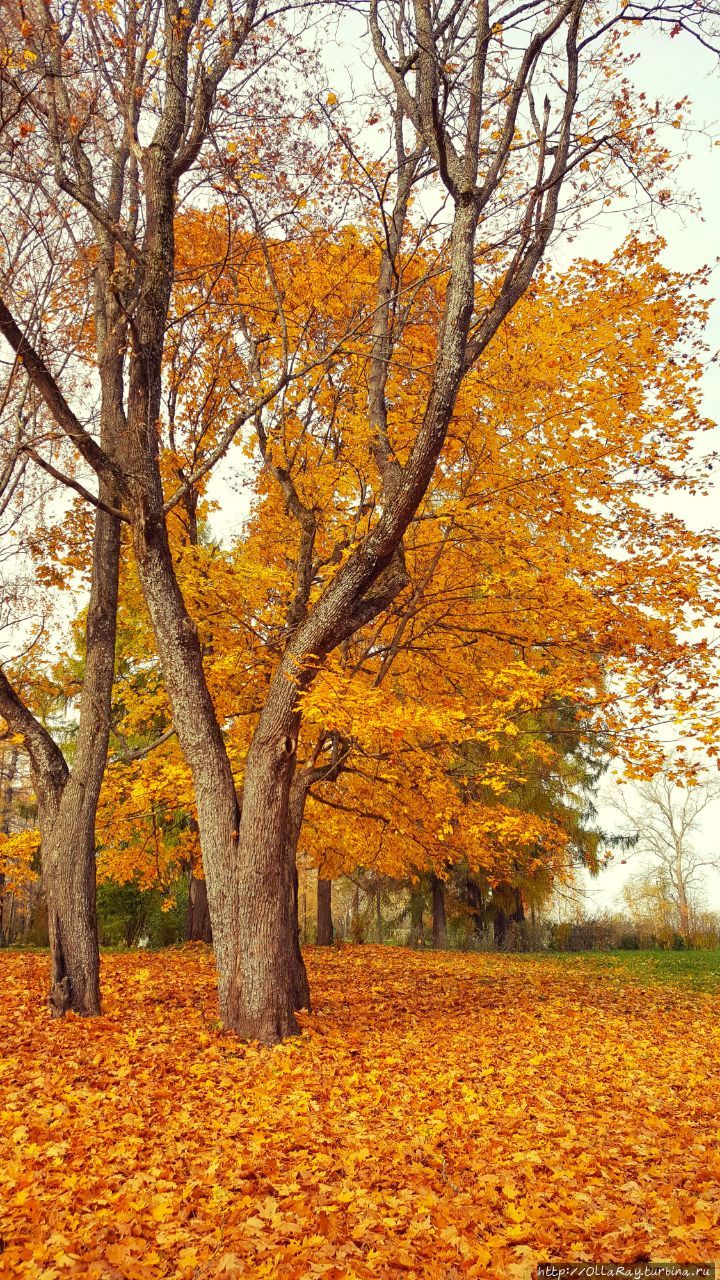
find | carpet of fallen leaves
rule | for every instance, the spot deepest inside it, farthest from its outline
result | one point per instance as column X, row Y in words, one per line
column 441, row 1116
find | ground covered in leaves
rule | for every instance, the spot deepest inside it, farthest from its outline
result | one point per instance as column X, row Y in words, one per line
column 441, row 1116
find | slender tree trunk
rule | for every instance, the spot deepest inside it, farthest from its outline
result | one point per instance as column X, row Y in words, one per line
column 324, row 912
column 356, row 928
column 439, row 924
column 683, row 904
column 378, row 914
column 67, row 802
column 68, row 850
column 197, row 921
column 417, row 929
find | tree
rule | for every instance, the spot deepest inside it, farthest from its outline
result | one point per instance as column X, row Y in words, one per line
column 665, row 816
column 67, row 794
column 121, row 129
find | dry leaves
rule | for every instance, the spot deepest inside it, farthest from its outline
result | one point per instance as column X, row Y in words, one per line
column 441, row 1116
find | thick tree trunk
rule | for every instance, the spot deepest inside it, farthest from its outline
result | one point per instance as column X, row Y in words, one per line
column 439, row 923
column 267, row 979
column 325, row 929
column 69, row 876
column 197, row 920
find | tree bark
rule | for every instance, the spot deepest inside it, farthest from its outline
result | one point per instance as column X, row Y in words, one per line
column 439, row 923
column 325, row 929
column 197, row 921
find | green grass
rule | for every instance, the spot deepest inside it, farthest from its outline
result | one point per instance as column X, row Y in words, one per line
column 697, row 970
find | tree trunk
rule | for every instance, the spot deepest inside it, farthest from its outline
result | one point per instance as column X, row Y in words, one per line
column 69, row 876
column 68, row 850
column 683, row 904
column 267, row 981
column 378, row 914
column 476, row 902
column 325, row 929
column 67, row 802
column 417, row 930
column 197, row 921
column 439, row 924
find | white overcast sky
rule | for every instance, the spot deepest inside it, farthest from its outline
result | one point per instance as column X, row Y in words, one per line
column 676, row 68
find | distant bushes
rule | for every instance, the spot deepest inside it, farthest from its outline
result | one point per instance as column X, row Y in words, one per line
column 615, row 933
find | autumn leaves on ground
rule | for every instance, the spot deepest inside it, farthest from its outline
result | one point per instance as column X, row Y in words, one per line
column 440, row 1116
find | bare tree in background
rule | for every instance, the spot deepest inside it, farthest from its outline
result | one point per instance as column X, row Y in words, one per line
column 667, row 818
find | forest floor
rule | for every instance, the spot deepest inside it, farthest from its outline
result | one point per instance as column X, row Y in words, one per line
column 441, row 1116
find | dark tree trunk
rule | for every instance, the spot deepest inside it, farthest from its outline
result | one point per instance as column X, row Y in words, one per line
column 378, row 914
column 197, row 921
column 325, row 931
column 474, row 897
column 439, row 924
column 417, row 928
column 500, row 929
column 503, row 919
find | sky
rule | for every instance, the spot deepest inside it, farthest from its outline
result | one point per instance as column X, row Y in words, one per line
column 675, row 68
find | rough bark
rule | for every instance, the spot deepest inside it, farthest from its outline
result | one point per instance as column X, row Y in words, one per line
column 439, row 924
column 197, row 920
column 325, row 931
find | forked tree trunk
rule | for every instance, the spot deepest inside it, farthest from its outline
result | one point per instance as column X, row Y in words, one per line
column 439, row 924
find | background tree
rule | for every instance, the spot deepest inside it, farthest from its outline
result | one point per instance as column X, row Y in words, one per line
column 666, row 816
